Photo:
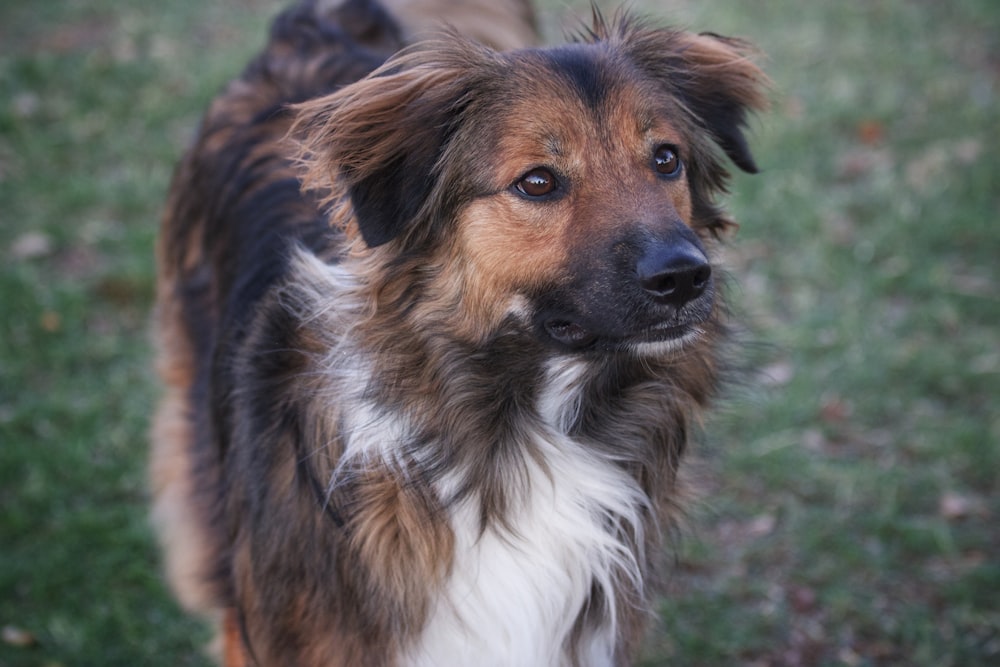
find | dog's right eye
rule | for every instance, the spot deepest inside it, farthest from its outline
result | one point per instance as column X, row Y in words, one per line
column 667, row 162
column 537, row 183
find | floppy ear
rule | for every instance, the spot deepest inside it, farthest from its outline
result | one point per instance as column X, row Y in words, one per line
column 382, row 137
column 712, row 75
column 723, row 86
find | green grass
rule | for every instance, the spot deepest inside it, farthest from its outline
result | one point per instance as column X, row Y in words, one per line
column 852, row 506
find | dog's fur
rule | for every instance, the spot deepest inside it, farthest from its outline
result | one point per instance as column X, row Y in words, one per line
column 446, row 428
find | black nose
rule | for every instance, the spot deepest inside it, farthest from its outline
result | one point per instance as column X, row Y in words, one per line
column 674, row 274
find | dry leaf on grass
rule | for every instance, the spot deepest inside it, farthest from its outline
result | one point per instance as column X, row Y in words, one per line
column 31, row 245
column 18, row 637
column 954, row 506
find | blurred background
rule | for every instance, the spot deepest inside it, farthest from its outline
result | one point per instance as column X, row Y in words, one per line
column 851, row 512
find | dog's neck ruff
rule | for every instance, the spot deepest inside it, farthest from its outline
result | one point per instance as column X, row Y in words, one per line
column 545, row 583
column 520, row 593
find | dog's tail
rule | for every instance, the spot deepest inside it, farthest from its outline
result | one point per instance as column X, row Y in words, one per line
column 317, row 46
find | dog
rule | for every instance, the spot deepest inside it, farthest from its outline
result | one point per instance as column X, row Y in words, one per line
column 434, row 324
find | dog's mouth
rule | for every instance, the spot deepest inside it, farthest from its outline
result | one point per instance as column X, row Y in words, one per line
column 570, row 334
column 576, row 336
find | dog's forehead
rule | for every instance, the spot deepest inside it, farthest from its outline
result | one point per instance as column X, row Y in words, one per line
column 564, row 99
column 590, row 75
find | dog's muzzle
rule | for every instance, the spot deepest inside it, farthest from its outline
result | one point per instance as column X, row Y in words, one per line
column 657, row 290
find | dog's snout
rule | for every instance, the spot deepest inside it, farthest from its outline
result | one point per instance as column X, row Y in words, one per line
column 674, row 274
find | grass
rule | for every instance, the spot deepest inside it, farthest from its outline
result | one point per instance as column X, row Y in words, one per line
column 852, row 487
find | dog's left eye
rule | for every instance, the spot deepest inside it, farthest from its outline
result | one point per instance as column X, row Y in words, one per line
column 537, row 183
column 666, row 161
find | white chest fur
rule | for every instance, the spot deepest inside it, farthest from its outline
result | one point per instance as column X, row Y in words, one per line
column 513, row 596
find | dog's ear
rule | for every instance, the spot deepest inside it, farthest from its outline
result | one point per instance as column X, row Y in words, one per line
column 381, row 138
column 724, row 85
column 712, row 75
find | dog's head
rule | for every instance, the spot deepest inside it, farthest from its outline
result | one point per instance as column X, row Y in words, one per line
column 570, row 190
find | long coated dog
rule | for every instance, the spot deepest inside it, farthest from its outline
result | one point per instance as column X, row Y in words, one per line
column 435, row 322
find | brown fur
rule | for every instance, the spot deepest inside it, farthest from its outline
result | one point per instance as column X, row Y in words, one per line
column 421, row 325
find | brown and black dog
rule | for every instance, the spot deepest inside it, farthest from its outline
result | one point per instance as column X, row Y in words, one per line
column 430, row 368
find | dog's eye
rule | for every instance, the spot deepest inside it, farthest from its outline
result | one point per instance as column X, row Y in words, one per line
column 666, row 161
column 537, row 183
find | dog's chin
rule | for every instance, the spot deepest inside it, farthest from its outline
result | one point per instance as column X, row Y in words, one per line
column 665, row 339
column 658, row 339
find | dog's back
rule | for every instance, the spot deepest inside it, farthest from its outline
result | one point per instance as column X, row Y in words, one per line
column 234, row 199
